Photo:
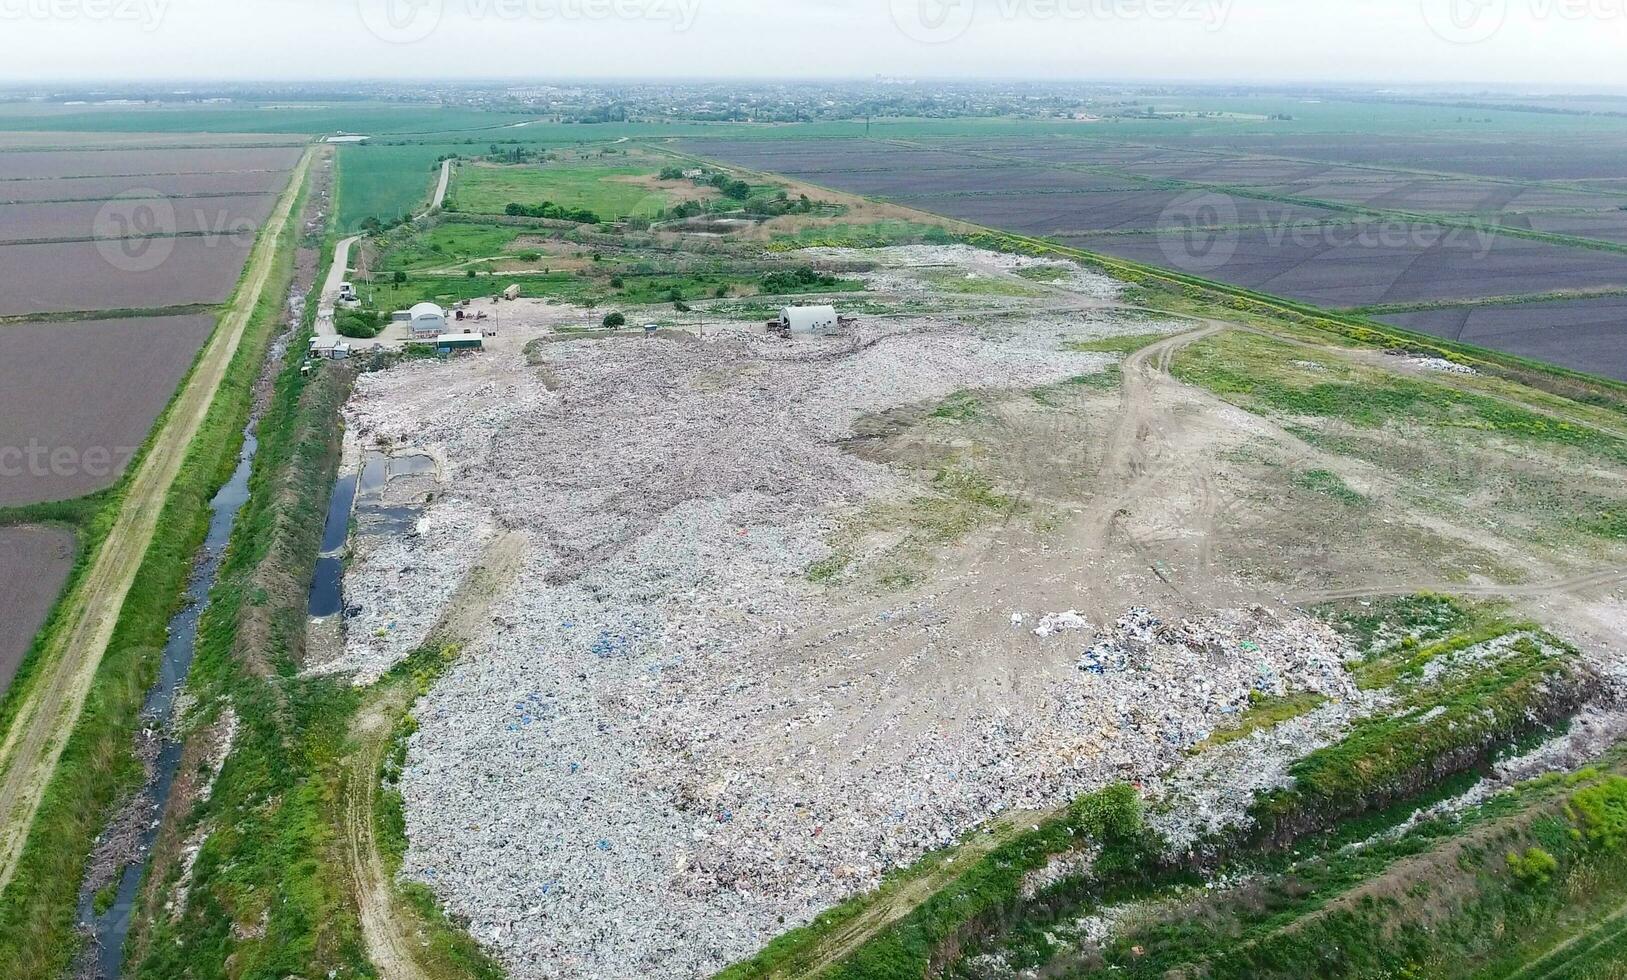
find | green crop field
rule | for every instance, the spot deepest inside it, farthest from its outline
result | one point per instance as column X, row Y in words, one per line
column 488, row 189
column 386, row 182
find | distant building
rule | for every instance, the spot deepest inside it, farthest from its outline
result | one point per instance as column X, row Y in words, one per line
column 428, row 320
column 810, row 319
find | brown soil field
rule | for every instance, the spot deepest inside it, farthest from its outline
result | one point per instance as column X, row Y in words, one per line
column 36, row 164
column 49, row 140
column 149, row 274
column 170, row 185
column 34, row 563
column 86, row 219
column 77, row 399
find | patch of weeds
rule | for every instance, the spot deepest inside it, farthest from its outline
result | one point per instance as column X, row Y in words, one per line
column 962, row 406
column 1383, row 623
column 1609, row 520
column 1535, row 867
column 1600, row 814
column 965, row 501
column 1409, row 656
column 1265, row 712
column 1123, row 344
column 827, row 570
column 899, row 575
column 1045, row 273
column 105, row 897
column 1329, row 484
column 1107, row 379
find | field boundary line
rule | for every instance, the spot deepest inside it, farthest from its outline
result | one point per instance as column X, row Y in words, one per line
column 45, row 721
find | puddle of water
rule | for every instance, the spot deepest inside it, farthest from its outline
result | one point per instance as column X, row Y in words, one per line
column 325, row 588
column 358, row 501
column 111, row 927
column 337, row 525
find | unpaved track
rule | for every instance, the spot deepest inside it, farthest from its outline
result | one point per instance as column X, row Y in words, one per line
column 389, row 933
column 1604, row 579
column 329, row 301
column 389, row 945
column 440, row 188
column 51, row 708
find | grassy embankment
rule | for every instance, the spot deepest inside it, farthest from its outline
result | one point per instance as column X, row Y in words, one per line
column 269, row 893
column 901, row 929
column 98, row 765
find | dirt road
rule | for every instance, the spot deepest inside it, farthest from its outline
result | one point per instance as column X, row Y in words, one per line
column 52, row 706
column 329, row 300
column 440, row 188
column 389, row 931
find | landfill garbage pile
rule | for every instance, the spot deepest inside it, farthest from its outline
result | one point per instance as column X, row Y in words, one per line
column 894, row 262
column 667, row 746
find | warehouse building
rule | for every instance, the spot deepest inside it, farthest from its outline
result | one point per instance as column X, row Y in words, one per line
column 427, row 321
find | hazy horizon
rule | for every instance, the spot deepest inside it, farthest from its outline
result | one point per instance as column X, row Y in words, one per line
column 1573, row 44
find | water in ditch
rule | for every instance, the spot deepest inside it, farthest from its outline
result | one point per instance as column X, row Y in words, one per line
column 359, row 497
column 110, row 927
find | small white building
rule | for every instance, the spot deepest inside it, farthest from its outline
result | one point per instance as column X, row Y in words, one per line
column 810, row 319
column 427, row 320
column 329, row 349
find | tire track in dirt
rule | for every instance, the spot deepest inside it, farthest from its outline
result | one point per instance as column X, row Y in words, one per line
column 1574, row 585
column 388, row 931
column 51, row 709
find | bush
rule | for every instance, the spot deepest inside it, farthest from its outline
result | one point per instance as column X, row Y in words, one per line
column 360, row 324
column 1535, row 867
column 552, row 211
column 614, row 321
column 616, row 282
column 796, row 280
column 1600, row 813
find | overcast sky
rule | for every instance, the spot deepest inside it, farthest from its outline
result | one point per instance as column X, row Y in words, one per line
column 1575, row 43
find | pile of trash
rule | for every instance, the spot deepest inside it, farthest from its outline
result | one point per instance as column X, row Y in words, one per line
column 668, row 746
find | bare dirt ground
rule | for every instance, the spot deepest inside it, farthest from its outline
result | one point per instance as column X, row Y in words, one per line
column 34, row 563
column 45, row 719
column 86, row 394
